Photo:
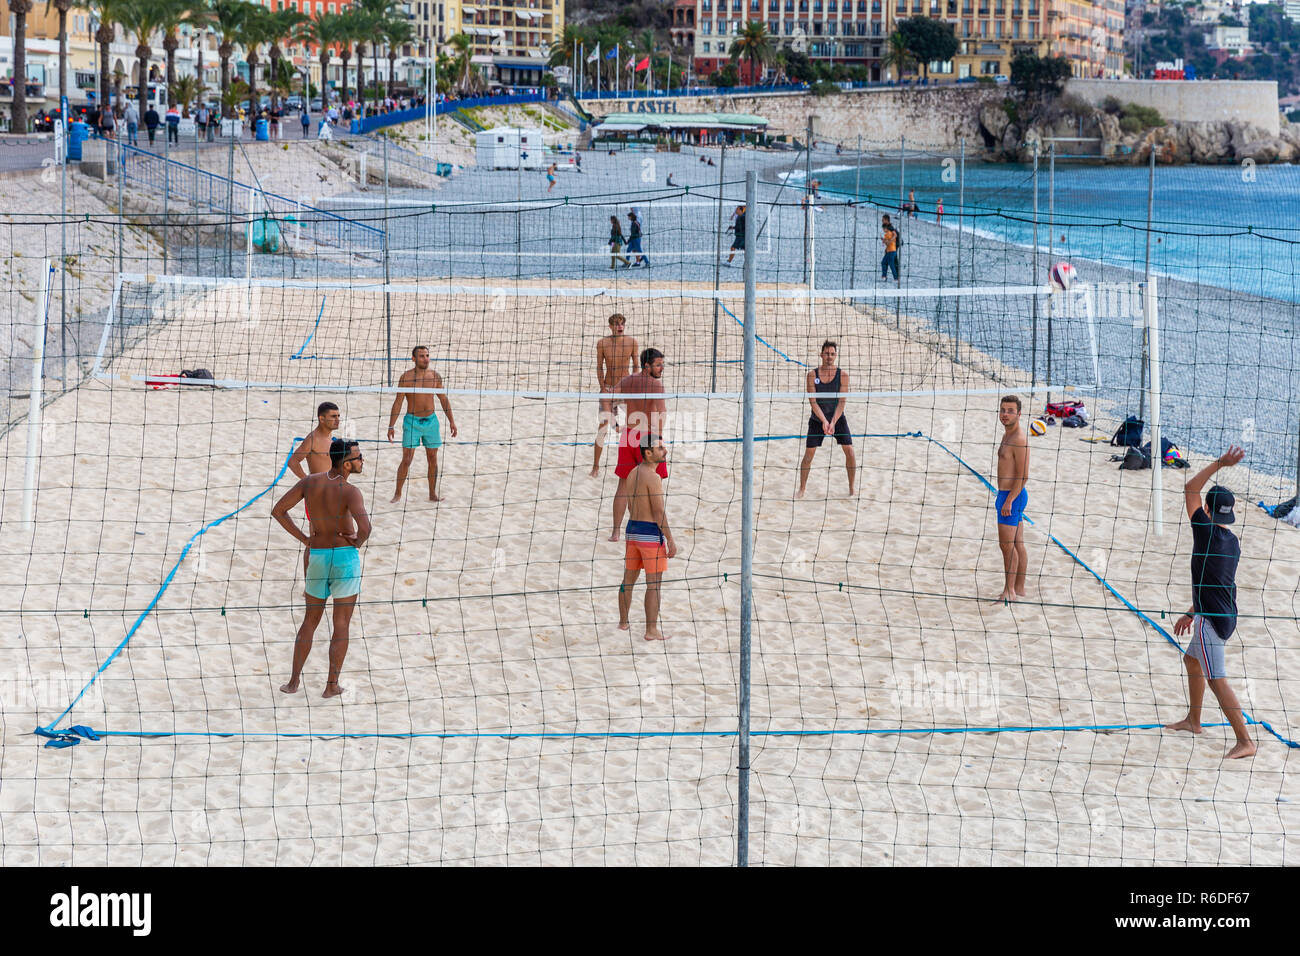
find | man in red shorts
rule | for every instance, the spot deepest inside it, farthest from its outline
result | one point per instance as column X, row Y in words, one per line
column 649, row 540
column 644, row 415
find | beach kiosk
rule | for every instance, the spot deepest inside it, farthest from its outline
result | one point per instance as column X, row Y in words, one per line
column 510, row 147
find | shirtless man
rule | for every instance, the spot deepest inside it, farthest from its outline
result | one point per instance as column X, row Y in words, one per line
column 340, row 527
column 827, row 416
column 614, row 355
column 315, row 449
column 649, row 541
column 644, row 415
column 1013, row 474
column 420, row 426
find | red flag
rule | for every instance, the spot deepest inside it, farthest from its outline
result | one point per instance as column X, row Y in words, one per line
column 644, row 64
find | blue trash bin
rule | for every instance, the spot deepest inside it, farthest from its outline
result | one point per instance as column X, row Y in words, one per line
column 78, row 133
column 263, row 131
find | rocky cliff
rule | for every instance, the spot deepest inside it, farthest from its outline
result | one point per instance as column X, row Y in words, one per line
column 1008, row 138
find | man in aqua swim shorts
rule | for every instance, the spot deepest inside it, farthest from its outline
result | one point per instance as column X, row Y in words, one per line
column 339, row 526
column 420, row 426
column 1013, row 475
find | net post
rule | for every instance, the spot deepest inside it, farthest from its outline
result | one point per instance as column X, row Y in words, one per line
column 746, row 538
column 717, row 266
column 1051, row 251
column 1033, row 348
column 961, row 217
column 857, row 191
column 1152, row 310
column 34, row 409
column 248, row 235
column 388, row 301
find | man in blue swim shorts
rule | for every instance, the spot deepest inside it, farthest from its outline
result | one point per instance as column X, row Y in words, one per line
column 420, row 426
column 1013, row 475
column 339, row 526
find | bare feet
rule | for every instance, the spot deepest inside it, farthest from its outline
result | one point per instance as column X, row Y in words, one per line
column 291, row 687
column 799, row 493
column 332, row 690
column 1006, row 597
column 433, row 497
column 1186, row 724
column 1020, row 594
column 624, row 625
column 395, row 499
column 654, row 634
column 614, row 536
column 1246, row 749
column 594, row 472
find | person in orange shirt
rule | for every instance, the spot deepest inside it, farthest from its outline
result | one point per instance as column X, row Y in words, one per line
column 890, row 240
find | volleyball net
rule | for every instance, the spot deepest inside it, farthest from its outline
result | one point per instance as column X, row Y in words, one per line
column 495, row 712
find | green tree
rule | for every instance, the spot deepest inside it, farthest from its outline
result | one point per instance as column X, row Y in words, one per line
column 229, row 16
column 174, row 13
column 284, row 25
column 322, row 31
column 144, row 18
column 184, row 92
column 753, row 46
column 929, row 41
column 398, row 33
column 898, row 57
column 63, row 6
column 1035, row 75
column 258, row 29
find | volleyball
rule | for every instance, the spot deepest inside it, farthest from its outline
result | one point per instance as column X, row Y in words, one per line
column 1062, row 275
column 1038, row 427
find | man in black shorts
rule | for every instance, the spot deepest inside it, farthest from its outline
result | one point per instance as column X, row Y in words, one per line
column 827, row 416
column 1213, row 614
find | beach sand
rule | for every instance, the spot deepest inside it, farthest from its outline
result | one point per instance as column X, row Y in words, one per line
column 495, row 613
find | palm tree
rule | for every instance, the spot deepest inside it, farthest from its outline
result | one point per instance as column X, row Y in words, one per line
column 185, row 91
column 778, row 64
column 754, row 46
column 284, row 25
column 358, row 31
column 144, row 18
column 174, row 13
column 467, row 78
column 321, row 31
column 898, row 56
column 259, row 25
column 19, row 9
column 562, row 51
column 63, row 6
column 229, row 16
column 106, row 13
column 397, row 33
column 376, row 14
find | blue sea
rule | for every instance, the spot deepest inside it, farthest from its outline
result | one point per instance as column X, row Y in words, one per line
column 1235, row 227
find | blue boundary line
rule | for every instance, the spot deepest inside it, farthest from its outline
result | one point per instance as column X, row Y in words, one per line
column 760, row 338
column 298, row 354
column 73, row 735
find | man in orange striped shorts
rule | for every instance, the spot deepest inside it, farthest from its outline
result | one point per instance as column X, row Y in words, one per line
column 649, row 541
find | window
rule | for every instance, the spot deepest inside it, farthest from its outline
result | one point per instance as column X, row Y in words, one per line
column 830, row 6
column 1015, row 29
column 1033, row 30
column 817, row 28
column 735, row 6
column 803, row 6
column 754, row 6
column 707, row 27
column 789, row 27
column 817, row 6
column 940, row 66
column 997, row 29
column 830, row 28
column 773, row 6
column 706, row 46
column 773, row 27
column 984, row 28
column 706, row 5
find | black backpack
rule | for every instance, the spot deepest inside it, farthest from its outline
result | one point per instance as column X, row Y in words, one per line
column 1130, row 433
column 1135, row 459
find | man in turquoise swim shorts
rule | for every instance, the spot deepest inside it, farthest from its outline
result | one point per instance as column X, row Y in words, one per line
column 339, row 526
column 1013, row 475
column 420, row 426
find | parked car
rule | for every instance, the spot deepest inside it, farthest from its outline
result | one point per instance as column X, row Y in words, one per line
column 1001, row 78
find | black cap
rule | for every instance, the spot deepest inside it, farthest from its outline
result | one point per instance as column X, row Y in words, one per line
column 1219, row 502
